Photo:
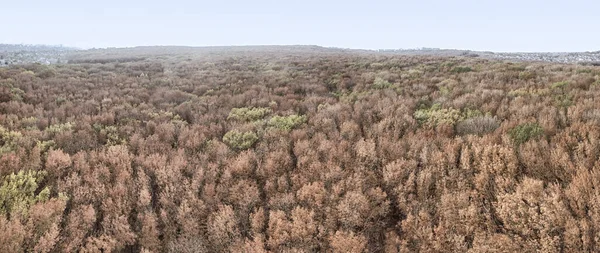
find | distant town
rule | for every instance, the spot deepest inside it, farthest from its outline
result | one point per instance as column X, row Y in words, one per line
column 25, row 54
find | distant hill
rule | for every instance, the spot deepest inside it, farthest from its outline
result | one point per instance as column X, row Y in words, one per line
column 141, row 53
column 11, row 54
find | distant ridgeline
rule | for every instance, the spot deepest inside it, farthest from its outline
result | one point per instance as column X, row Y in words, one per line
column 23, row 54
column 11, row 54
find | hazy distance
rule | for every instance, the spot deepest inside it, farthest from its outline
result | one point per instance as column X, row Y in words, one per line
column 501, row 26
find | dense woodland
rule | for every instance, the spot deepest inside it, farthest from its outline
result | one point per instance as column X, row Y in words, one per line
column 284, row 152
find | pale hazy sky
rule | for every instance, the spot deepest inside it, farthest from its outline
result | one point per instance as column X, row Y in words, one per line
column 498, row 25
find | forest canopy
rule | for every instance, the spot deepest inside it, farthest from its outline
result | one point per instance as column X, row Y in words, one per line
column 286, row 152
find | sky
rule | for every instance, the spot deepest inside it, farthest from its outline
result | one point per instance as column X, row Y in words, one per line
column 484, row 25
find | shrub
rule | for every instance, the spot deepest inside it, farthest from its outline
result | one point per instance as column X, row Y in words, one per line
column 525, row 132
column 240, row 140
column 248, row 113
column 479, row 125
column 287, row 123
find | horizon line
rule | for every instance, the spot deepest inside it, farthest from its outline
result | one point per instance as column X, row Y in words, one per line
column 287, row 45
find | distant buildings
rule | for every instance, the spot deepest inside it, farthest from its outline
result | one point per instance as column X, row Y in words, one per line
column 3, row 62
column 25, row 54
column 26, row 57
column 583, row 57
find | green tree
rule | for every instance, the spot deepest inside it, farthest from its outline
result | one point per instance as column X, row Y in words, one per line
column 287, row 123
column 240, row 140
column 18, row 192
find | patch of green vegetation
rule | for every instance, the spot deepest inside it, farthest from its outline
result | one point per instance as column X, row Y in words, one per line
column 59, row 128
column 461, row 69
column 525, row 132
column 209, row 92
column 28, row 73
column 521, row 92
column 471, row 113
column 526, row 75
column 444, row 91
column 16, row 94
column 582, row 71
column 333, row 82
column 46, row 72
column 381, row 83
column 29, row 123
column 287, row 123
column 8, row 139
column 377, row 65
column 435, row 115
column 414, row 73
column 45, row 145
column 560, row 94
column 517, row 67
column 61, row 100
column 19, row 192
column 559, row 85
column 350, row 97
column 322, row 106
column 240, row 140
column 448, row 64
column 248, row 113
column 163, row 115
column 110, row 134
column 337, row 94
column 563, row 100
